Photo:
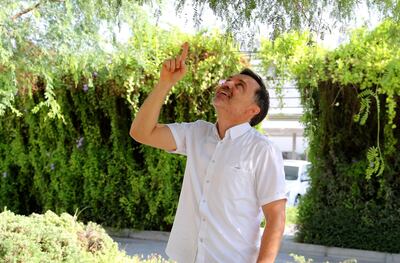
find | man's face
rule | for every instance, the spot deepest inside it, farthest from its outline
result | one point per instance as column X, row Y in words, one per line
column 236, row 95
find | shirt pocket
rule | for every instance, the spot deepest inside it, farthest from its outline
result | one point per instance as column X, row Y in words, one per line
column 238, row 182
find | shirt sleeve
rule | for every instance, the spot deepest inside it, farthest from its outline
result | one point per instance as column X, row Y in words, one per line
column 181, row 133
column 270, row 176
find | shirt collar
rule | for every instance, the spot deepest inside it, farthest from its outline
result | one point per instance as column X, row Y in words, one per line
column 235, row 131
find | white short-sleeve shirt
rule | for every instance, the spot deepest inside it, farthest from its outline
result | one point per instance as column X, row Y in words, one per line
column 225, row 184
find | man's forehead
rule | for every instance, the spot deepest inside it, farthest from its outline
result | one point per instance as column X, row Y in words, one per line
column 249, row 80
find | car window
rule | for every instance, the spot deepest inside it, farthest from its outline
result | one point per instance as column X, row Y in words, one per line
column 291, row 172
column 304, row 175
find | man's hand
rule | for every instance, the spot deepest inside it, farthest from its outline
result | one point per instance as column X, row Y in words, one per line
column 174, row 69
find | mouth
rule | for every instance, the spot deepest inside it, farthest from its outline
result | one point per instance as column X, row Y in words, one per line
column 224, row 93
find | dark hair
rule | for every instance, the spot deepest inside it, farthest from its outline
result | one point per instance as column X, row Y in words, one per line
column 261, row 96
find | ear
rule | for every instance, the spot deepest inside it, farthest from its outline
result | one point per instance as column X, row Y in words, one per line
column 253, row 110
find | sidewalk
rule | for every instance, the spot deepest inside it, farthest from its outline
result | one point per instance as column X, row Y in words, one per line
column 154, row 242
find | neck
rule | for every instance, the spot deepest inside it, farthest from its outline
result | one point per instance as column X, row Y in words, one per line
column 226, row 120
column 223, row 126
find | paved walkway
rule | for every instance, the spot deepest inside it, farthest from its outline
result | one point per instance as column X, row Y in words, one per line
column 146, row 243
column 134, row 246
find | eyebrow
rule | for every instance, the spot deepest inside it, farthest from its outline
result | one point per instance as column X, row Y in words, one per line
column 240, row 80
column 243, row 82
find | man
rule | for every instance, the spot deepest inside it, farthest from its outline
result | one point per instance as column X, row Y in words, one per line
column 232, row 172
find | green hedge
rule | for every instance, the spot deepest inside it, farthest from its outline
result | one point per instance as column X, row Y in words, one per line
column 71, row 149
column 351, row 97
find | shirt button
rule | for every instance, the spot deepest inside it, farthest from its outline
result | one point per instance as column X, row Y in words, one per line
column 208, row 181
column 204, row 220
column 213, row 161
column 204, row 200
column 201, row 240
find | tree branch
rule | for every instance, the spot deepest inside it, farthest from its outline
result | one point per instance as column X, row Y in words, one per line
column 23, row 12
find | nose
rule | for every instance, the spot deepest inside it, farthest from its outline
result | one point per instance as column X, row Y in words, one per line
column 228, row 83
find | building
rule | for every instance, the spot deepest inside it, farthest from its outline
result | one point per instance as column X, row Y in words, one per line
column 282, row 124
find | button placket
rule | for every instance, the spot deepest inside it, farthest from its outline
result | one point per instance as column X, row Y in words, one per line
column 209, row 173
column 203, row 206
column 211, row 169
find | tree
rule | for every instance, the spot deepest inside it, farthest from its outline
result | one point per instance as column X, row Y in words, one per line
column 40, row 37
column 284, row 15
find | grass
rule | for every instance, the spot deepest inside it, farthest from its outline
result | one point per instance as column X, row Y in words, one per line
column 291, row 215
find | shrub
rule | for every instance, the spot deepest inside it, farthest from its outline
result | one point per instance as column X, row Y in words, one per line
column 53, row 238
column 351, row 101
column 71, row 147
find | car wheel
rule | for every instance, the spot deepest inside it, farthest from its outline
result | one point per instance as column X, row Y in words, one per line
column 297, row 200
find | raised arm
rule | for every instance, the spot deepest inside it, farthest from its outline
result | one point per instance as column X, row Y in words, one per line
column 145, row 127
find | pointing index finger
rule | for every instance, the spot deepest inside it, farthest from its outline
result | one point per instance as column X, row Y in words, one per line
column 185, row 51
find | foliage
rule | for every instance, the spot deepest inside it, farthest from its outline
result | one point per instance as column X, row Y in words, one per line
column 34, row 32
column 302, row 259
column 350, row 97
column 64, row 141
column 84, row 17
column 291, row 215
column 43, row 38
column 53, row 238
column 285, row 15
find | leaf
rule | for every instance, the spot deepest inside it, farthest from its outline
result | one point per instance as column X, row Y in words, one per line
column 376, row 165
column 365, row 105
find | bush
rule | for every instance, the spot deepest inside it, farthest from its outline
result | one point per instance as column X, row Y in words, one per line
column 351, row 100
column 71, row 147
column 53, row 238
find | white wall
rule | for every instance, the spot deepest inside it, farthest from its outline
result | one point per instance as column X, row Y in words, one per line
column 285, row 143
column 282, row 133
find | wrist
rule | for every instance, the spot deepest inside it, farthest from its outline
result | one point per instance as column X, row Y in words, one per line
column 165, row 85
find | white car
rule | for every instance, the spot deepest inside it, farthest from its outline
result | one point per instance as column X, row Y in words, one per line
column 297, row 180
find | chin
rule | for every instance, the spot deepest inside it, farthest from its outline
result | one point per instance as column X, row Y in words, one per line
column 217, row 104
column 215, row 101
